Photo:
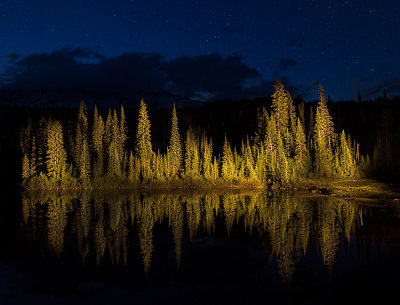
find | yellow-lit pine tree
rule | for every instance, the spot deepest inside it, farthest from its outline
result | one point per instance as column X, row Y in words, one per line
column 280, row 107
column 84, row 173
column 301, row 157
column 123, row 129
column 261, row 165
column 133, row 168
column 270, row 148
column 174, row 151
column 262, row 122
column 144, row 149
column 206, row 156
column 323, row 138
column 248, row 161
column 282, row 167
column 33, row 163
column 114, row 163
column 228, row 163
column 55, row 153
column 82, row 154
column 108, row 129
column 346, row 158
column 192, row 156
column 97, row 143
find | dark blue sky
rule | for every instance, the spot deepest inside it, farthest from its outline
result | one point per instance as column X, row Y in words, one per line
column 346, row 46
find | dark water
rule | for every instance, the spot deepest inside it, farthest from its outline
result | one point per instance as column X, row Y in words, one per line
column 197, row 248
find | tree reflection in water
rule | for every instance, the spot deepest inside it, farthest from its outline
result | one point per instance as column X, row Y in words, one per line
column 101, row 223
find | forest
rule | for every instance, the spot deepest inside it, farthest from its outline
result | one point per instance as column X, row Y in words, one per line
column 285, row 144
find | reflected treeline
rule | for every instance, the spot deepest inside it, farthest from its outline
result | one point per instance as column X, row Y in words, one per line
column 104, row 226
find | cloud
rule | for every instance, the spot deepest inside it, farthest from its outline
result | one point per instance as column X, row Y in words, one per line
column 296, row 42
column 209, row 73
column 211, row 76
column 286, row 63
column 84, row 68
column 392, row 87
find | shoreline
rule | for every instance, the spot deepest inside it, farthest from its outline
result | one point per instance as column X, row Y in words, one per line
column 354, row 189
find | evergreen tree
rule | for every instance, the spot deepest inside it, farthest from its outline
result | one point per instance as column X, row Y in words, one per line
column 114, row 163
column 228, row 164
column 174, row 148
column 282, row 166
column 262, row 122
column 143, row 141
column 97, row 142
column 82, row 155
column 323, row 138
column 280, row 106
column 56, row 155
column 108, row 128
column 261, row 165
column 346, row 158
column 325, row 123
column 33, row 163
column 192, row 156
column 133, row 168
column 214, row 169
column 248, row 165
column 301, row 157
column 123, row 129
column 84, row 173
column 42, row 145
column 206, row 156
column 310, row 133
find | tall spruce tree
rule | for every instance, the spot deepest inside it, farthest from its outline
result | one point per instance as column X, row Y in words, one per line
column 301, row 156
column 192, row 155
column 123, row 129
column 56, row 160
column 97, row 143
column 143, row 141
column 174, row 148
column 206, row 156
column 280, row 107
column 346, row 158
column 82, row 154
column 228, row 163
column 323, row 138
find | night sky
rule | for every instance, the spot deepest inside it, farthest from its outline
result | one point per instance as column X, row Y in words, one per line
column 203, row 49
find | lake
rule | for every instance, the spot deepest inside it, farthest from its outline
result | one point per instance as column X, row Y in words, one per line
column 223, row 247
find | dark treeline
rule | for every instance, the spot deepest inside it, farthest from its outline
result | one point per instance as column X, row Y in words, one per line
column 258, row 142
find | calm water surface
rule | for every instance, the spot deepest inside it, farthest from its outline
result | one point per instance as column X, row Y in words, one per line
column 197, row 248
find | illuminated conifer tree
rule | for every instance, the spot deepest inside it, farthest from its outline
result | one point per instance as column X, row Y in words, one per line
column 84, row 161
column 346, row 158
column 82, row 155
column 174, row 148
column 56, row 155
column 114, row 163
column 123, row 129
column 323, row 138
column 228, row 163
column 301, row 157
column 97, row 142
column 192, row 156
column 280, row 106
column 143, row 141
